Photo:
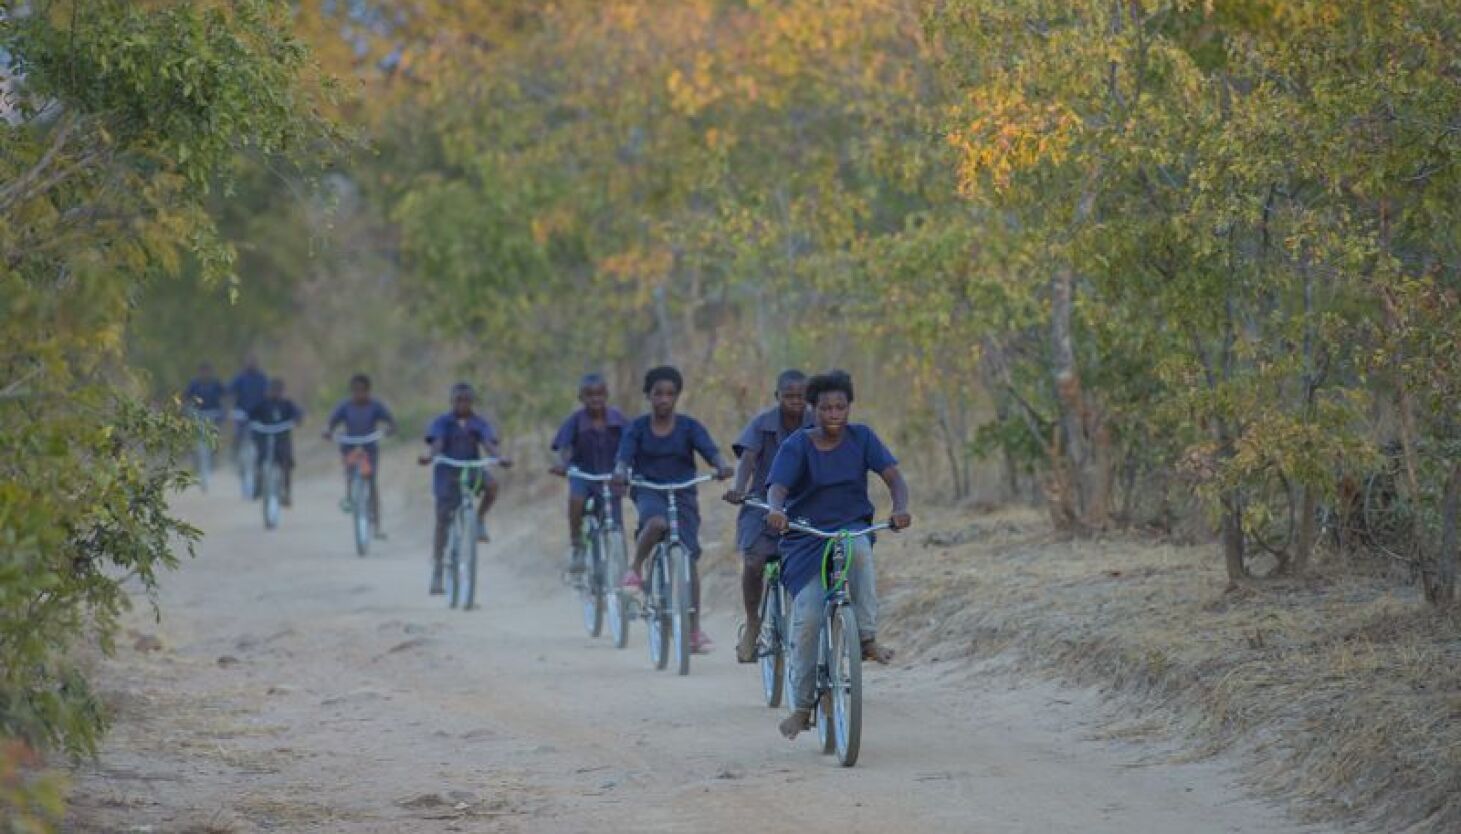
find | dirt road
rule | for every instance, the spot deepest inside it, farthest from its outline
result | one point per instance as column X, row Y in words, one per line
column 299, row 688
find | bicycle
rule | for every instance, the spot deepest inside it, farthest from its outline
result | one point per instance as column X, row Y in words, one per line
column 203, row 452
column 362, row 485
column 837, row 691
column 607, row 558
column 245, row 456
column 771, row 641
column 668, row 600
column 269, row 475
column 461, row 544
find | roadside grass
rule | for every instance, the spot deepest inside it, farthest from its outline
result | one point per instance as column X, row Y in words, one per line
column 1341, row 692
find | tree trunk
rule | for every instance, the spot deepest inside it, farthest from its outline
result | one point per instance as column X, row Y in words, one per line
column 1072, row 450
column 1441, row 589
column 1233, row 544
column 1308, row 530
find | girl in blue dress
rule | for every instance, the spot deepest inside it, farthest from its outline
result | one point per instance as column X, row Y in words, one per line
column 820, row 474
column 661, row 446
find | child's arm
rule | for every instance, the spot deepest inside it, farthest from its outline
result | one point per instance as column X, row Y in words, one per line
column 899, row 490
column 705, row 445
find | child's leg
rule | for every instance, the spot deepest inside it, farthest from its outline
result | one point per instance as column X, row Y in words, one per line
column 650, row 532
column 489, row 496
column 806, row 623
column 577, row 499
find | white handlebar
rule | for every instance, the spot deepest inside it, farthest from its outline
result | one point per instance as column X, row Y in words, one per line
column 801, row 526
column 696, row 481
column 362, row 440
column 575, row 472
column 271, row 428
column 479, row 463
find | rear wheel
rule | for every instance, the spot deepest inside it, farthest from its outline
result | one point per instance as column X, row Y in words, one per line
column 360, row 504
column 469, row 564
column 681, row 604
column 825, row 735
column 659, row 602
column 769, row 647
column 592, row 586
column 453, row 564
column 845, row 667
column 615, row 564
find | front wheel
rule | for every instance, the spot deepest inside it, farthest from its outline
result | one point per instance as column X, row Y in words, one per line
column 845, row 669
column 271, row 495
column 769, row 646
column 592, row 587
column 681, row 605
column 615, row 564
column 469, row 563
column 658, row 610
column 360, row 506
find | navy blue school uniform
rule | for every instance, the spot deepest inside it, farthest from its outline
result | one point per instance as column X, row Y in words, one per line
column 761, row 438
column 271, row 412
column 828, row 490
column 205, row 395
column 360, row 419
column 249, row 389
column 594, row 448
column 668, row 459
column 461, row 439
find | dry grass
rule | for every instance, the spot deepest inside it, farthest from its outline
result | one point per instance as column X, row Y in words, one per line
column 1342, row 693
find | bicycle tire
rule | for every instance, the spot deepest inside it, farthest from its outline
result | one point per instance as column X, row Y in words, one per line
column 846, row 679
column 469, row 566
column 453, row 563
column 659, row 623
column 826, row 739
column 592, row 587
column 769, row 646
column 681, row 601
column 618, row 602
column 271, row 496
column 360, row 500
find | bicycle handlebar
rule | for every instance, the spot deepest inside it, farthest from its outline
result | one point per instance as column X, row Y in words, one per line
column 801, row 526
column 478, row 463
column 575, row 472
column 239, row 415
column 271, row 428
column 696, row 481
column 360, row 440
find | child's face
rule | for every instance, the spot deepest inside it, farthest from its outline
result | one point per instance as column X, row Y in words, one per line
column 360, row 392
column 461, row 404
column 832, row 411
column 662, row 398
column 595, row 398
column 793, row 399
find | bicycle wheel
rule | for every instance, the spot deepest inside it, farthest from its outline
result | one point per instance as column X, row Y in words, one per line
column 247, row 460
column 825, row 733
column 845, row 671
column 592, row 587
column 658, row 610
column 469, row 564
column 454, row 563
column 271, row 495
column 615, row 563
column 360, row 501
column 769, row 646
column 681, row 603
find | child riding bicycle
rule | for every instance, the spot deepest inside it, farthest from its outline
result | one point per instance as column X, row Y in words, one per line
column 588, row 441
column 361, row 414
column 661, row 447
column 820, row 474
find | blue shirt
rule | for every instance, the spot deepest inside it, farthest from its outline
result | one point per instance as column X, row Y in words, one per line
column 461, row 439
column 272, row 412
column 828, row 490
column 249, row 389
column 593, row 447
column 668, row 459
column 204, row 395
column 762, row 437
column 360, row 419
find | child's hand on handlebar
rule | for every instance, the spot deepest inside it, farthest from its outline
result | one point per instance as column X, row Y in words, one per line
column 777, row 520
column 424, row 460
column 558, row 469
column 900, row 521
column 734, row 496
column 723, row 473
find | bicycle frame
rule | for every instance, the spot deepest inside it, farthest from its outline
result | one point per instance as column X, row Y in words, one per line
column 270, row 432
column 660, row 609
column 362, row 480
column 465, row 528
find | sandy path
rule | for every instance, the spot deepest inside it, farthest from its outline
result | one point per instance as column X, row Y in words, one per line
column 303, row 689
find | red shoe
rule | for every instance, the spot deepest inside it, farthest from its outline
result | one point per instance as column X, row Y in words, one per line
column 700, row 643
column 631, row 581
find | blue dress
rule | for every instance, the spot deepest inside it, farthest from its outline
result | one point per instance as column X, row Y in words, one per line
column 461, row 439
column 826, row 489
column 668, row 459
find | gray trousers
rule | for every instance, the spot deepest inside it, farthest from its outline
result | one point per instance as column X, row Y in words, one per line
column 806, row 620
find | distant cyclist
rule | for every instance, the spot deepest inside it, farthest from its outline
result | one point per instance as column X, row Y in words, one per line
column 248, row 389
column 276, row 409
column 459, row 434
column 756, row 448
column 204, row 394
column 820, row 475
column 661, row 447
column 588, row 441
column 361, row 414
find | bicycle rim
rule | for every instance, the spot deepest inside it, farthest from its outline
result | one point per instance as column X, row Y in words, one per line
column 768, row 647
column 659, row 622
column 618, row 602
column 271, row 497
column 453, row 563
column 359, row 499
column 682, row 601
column 469, row 570
column 592, row 587
column 846, row 674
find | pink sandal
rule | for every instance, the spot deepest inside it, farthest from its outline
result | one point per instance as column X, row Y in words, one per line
column 631, row 581
column 700, row 643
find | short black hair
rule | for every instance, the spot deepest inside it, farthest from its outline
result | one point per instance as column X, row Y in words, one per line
column 664, row 373
column 591, row 380
column 827, row 383
column 462, row 388
column 790, row 376
column 360, row 379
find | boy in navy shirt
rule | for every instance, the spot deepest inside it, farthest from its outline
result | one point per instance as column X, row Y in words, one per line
column 661, row 447
column 756, row 448
column 362, row 414
column 820, row 474
column 588, row 441
column 459, row 434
